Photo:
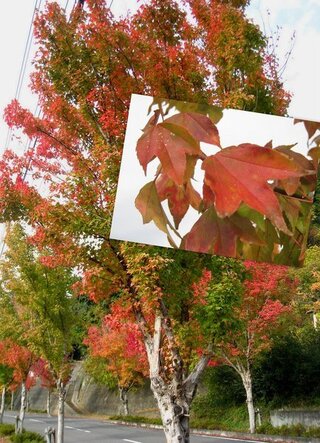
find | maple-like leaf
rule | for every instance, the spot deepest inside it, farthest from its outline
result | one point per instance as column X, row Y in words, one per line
column 215, row 235
column 199, row 126
column 170, row 143
column 311, row 127
column 240, row 174
column 180, row 197
column 148, row 203
column 291, row 184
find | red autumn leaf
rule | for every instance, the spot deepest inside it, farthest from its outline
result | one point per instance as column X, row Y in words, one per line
column 199, row 126
column 180, row 197
column 290, row 185
column 170, row 143
column 208, row 196
column 194, row 196
column 215, row 235
column 148, row 203
column 241, row 173
column 177, row 198
column 311, row 127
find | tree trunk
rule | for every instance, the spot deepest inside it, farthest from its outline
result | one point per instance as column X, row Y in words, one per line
column 174, row 397
column 3, row 400
column 12, row 401
column 27, row 401
column 61, row 400
column 123, row 394
column 49, row 403
column 23, row 406
column 174, row 410
column 247, row 383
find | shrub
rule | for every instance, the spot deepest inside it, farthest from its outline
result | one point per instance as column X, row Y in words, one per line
column 6, row 429
column 27, row 437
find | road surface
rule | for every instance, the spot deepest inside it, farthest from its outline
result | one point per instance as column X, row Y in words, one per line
column 86, row 430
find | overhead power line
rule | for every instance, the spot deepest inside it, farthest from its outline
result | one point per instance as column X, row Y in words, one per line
column 20, row 83
column 24, row 62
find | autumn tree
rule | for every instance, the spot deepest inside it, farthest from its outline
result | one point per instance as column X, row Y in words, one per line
column 85, row 71
column 261, row 310
column 20, row 360
column 309, row 286
column 118, row 343
column 41, row 371
column 37, row 308
column 6, row 378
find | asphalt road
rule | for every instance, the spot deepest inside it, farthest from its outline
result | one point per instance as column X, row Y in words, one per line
column 85, row 430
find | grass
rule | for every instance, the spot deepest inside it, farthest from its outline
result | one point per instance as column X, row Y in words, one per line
column 222, row 420
column 231, row 419
column 290, row 431
column 136, row 419
column 7, row 430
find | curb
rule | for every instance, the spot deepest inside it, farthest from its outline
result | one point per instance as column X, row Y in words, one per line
column 227, row 434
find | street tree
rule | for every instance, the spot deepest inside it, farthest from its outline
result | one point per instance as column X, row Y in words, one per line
column 38, row 305
column 118, row 343
column 262, row 310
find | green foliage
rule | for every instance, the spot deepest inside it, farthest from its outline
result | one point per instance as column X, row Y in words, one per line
column 232, row 418
column 27, row 437
column 6, row 429
column 290, row 371
column 225, row 419
column 290, row 431
column 223, row 388
column 37, row 308
column 216, row 318
column 96, row 368
column 6, row 374
column 137, row 419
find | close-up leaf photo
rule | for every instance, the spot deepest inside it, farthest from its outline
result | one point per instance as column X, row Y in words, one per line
column 250, row 200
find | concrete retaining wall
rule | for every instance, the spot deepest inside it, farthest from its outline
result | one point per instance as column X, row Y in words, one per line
column 84, row 396
column 309, row 419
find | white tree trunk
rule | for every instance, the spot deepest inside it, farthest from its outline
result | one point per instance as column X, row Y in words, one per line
column 123, row 394
column 174, row 411
column 247, row 383
column 27, row 401
column 23, row 406
column 61, row 400
column 12, row 400
column 49, row 403
column 174, row 397
column 3, row 400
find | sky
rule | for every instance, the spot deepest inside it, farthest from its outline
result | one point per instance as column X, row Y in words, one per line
column 301, row 75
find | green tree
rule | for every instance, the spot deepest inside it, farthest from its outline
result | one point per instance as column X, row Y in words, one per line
column 6, row 377
column 38, row 309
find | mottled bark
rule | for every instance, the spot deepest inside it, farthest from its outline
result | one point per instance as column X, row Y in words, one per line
column 23, row 406
column 61, row 400
column 12, row 401
column 2, row 407
column 124, row 404
column 174, row 397
column 49, row 403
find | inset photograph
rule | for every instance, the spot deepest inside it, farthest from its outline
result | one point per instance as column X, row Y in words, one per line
column 219, row 181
